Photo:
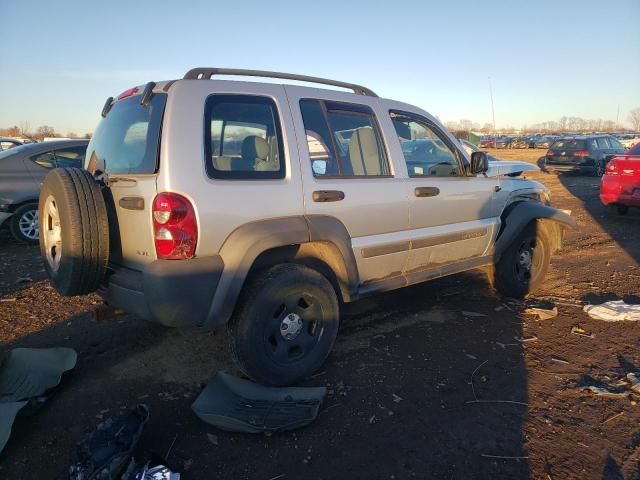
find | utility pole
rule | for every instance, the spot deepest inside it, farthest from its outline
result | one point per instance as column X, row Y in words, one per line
column 618, row 118
column 493, row 112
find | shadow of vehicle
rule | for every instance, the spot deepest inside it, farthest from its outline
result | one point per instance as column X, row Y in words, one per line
column 623, row 229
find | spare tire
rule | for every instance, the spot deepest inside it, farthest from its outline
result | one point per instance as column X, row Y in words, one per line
column 74, row 231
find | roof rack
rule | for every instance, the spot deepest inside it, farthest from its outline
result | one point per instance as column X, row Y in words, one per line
column 206, row 74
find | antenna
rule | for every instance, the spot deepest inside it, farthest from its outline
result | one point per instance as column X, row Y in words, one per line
column 493, row 112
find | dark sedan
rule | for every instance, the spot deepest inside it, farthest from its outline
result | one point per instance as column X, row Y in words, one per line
column 22, row 170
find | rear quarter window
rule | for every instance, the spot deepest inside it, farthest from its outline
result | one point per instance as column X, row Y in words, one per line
column 127, row 140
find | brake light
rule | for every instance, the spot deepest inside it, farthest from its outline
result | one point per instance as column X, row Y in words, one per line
column 549, row 153
column 611, row 168
column 581, row 153
column 128, row 93
column 175, row 227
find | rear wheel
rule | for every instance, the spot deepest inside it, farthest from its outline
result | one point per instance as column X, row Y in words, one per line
column 74, row 231
column 24, row 223
column 523, row 265
column 286, row 324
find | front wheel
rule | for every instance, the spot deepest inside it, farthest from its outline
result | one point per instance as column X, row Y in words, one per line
column 24, row 224
column 523, row 265
column 285, row 325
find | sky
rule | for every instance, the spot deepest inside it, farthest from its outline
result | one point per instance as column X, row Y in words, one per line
column 60, row 60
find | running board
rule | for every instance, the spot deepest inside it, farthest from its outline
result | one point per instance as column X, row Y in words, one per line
column 419, row 276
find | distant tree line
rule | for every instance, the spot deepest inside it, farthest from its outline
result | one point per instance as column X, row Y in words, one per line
column 564, row 124
column 44, row 131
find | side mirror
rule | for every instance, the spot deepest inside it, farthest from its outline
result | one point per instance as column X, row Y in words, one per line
column 479, row 163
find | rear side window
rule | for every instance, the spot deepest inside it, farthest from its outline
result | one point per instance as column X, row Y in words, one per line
column 603, row 142
column 243, row 139
column 343, row 140
column 615, row 143
column 63, row 157
column 569, row 144
column 127, row 140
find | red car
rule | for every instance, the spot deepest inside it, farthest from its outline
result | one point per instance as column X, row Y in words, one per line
column 620, row 185
column 488, row 143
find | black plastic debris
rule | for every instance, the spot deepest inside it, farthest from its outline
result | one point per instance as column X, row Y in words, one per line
column 238, row 405
column 105, row 453
column 25, row 376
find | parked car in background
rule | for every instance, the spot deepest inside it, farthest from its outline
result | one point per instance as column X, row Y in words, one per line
column 22, row 170
column 503, row 142
column 489, row 142
column 629, row 141
column 7, row 143
column 582, row 154
column 620, row 186
column 544, row 142
column 520, row 142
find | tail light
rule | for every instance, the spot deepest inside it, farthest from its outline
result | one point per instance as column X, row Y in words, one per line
column 549, row 153
column 611, row 168
column 175, row 227
column 581, row 153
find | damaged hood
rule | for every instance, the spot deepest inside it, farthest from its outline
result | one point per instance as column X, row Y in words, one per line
column 507, row 167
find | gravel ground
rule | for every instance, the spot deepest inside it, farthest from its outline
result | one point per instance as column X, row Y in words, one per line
column 417, row 388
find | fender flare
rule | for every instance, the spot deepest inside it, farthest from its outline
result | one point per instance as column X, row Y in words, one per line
column 243, row 246
column 520, row 214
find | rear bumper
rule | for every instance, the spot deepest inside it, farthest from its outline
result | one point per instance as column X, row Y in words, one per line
column 555, row 166
column 175, row 293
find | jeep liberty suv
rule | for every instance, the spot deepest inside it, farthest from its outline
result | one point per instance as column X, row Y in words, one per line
column 264, row 207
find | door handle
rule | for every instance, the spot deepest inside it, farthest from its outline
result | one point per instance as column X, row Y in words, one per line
column 426, row 191
column 328, row 196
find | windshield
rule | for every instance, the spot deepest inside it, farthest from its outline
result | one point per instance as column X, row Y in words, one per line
column 14, row 151
column 127, row 140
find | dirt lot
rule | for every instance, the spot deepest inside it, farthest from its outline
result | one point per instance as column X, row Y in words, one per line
column 415, row 344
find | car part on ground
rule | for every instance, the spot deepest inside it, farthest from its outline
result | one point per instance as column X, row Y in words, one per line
column 105, row 453
column 26, row 374
column 74, row 231
column 614, row 311
column 237, row 405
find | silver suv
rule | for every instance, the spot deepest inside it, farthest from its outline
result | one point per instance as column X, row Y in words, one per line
column 265, row 207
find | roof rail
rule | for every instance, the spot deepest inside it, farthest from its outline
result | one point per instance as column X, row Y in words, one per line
column 206, row 74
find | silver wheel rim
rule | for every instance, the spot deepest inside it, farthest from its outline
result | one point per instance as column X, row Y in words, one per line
column 52, row 233
column 28, row 225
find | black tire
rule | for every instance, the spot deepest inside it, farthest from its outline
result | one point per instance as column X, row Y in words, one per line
column 286, row 295
column 598, row 171
column 512, row 278
column 623, row 209
column 75, row 247
column 24, row 223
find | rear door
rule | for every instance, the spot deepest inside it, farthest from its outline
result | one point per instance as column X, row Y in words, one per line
column 348, row 174
column 126, row 146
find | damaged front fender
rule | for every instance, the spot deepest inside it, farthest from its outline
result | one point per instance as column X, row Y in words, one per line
column 519, row 215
